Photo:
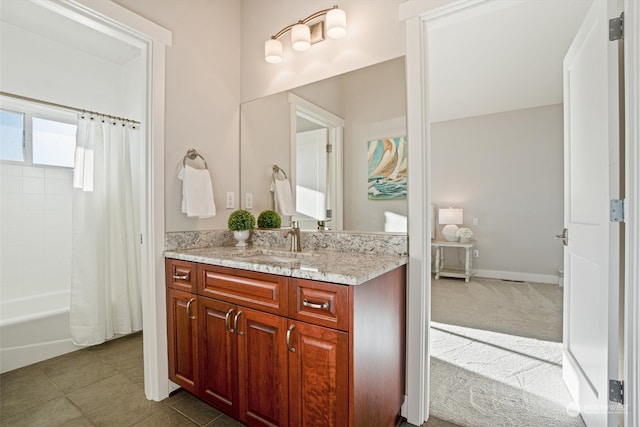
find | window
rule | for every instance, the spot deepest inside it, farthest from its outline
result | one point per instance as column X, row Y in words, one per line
column 11, row 136
column 33, row 134
column 54, row 143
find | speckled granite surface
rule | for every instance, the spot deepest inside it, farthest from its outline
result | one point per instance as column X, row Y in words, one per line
column 338, row 241
column 328, row 266
column 198, row 239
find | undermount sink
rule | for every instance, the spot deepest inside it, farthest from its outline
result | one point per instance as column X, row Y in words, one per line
column 271, row 255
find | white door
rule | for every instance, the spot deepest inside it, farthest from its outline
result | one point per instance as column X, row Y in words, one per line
column 591, row 257
column 311, row 178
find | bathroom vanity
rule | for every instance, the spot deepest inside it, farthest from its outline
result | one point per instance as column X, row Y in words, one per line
column 272, row 339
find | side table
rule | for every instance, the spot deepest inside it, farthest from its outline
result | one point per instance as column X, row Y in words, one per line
column 439, row 246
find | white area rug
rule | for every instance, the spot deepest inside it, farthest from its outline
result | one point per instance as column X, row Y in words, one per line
column 484, row 378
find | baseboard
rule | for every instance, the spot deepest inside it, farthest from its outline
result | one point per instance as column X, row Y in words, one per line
column 518, row 276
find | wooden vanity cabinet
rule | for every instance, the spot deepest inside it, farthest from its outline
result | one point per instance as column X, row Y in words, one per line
column 183, row 338
column 272, row 351
column 318, row 376
column 243, row 363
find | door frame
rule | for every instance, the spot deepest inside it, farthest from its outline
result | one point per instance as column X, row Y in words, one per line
column 417, row 14
column 122, row 24
column 632, row 220
column 335, row 126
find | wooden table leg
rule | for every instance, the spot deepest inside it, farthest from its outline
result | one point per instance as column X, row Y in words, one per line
column 467, row 265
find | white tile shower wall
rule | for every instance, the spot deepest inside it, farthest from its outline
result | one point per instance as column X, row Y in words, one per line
column 35, row 230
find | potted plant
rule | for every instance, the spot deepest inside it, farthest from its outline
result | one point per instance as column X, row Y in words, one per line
column 241, row 222
column 269, row 219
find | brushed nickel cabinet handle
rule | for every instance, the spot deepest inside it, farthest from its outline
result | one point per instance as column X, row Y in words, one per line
column 235, row 324
column 306, row 303
column 226, row 320
column 181, row 277
column 189, row 308
column 291, row 349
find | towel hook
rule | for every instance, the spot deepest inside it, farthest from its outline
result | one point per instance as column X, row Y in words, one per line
column 277, row 169
column 193, row 154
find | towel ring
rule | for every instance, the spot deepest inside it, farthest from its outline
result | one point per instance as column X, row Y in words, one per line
column 277, row 169
column 193, row 154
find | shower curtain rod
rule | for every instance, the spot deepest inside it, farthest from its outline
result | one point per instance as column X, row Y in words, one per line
column 66, row 107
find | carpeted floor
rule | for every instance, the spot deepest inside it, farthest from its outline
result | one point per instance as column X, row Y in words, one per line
column 496, row 354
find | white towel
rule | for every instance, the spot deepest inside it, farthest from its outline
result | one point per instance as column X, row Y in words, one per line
column 282, row 197
column 197, row 192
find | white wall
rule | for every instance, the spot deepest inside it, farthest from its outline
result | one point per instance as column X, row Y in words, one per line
column 202, row 97
column 374, row 34
column 38, row 67
column 266, row 132
column 505, row 169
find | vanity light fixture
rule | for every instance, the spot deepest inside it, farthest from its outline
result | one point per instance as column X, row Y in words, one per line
column 303, row 35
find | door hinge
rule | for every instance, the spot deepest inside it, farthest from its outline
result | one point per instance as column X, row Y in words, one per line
column 616, row 391
column 616, row 28
column 616, row 210
column 140, row 238
column 329, row 148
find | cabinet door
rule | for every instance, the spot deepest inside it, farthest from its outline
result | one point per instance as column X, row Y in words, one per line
column 262, row 368
column 318, row 376
column 183, row 339
column 218, row 355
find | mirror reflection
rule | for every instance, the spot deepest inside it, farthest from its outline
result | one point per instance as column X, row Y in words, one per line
column 328, row 137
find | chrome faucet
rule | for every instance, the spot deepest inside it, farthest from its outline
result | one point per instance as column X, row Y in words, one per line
column 294, row 232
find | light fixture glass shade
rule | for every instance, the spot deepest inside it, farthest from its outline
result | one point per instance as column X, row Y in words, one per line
column 300, row 37
column 336, row 22
column 273, row 51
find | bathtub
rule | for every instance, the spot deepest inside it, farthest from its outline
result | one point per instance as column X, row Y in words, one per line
column 34, row 329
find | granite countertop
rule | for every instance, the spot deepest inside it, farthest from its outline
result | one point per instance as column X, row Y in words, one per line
column 346, row 268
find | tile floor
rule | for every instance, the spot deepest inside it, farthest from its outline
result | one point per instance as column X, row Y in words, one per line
column 102, row 386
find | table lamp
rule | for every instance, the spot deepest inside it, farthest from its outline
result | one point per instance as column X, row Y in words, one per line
column 451, row 217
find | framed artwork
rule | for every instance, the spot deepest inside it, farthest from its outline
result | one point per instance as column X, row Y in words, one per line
column 387, row 159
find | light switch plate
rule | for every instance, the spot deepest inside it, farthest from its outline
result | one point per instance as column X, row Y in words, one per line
column 248, row 200
column 231, row 203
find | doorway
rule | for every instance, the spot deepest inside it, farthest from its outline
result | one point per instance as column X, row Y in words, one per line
column 497, row 150
column 316, row 153
column 109, row 21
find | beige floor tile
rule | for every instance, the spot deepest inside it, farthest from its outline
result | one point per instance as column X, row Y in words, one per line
column 166, row 417
column 24, row 389
column 55, row 412
column 114, row 401
column 68, row 363
column 196, row 410
column 82, row 376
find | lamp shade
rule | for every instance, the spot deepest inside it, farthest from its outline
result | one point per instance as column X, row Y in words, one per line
column 336, row 22
column 273, row 51
column 450, row 216
column 300, row 37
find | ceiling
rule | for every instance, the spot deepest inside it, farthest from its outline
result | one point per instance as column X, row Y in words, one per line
column 501, row 57
column 37, row 18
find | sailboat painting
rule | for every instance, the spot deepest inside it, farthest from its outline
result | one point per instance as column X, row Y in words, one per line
column 387, row 168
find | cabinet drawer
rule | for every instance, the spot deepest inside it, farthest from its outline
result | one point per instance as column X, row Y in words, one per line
column 320, row 303
column 181, row 275
column 266, row 292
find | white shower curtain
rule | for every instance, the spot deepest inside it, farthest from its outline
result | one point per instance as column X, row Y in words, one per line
column 105, row 279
